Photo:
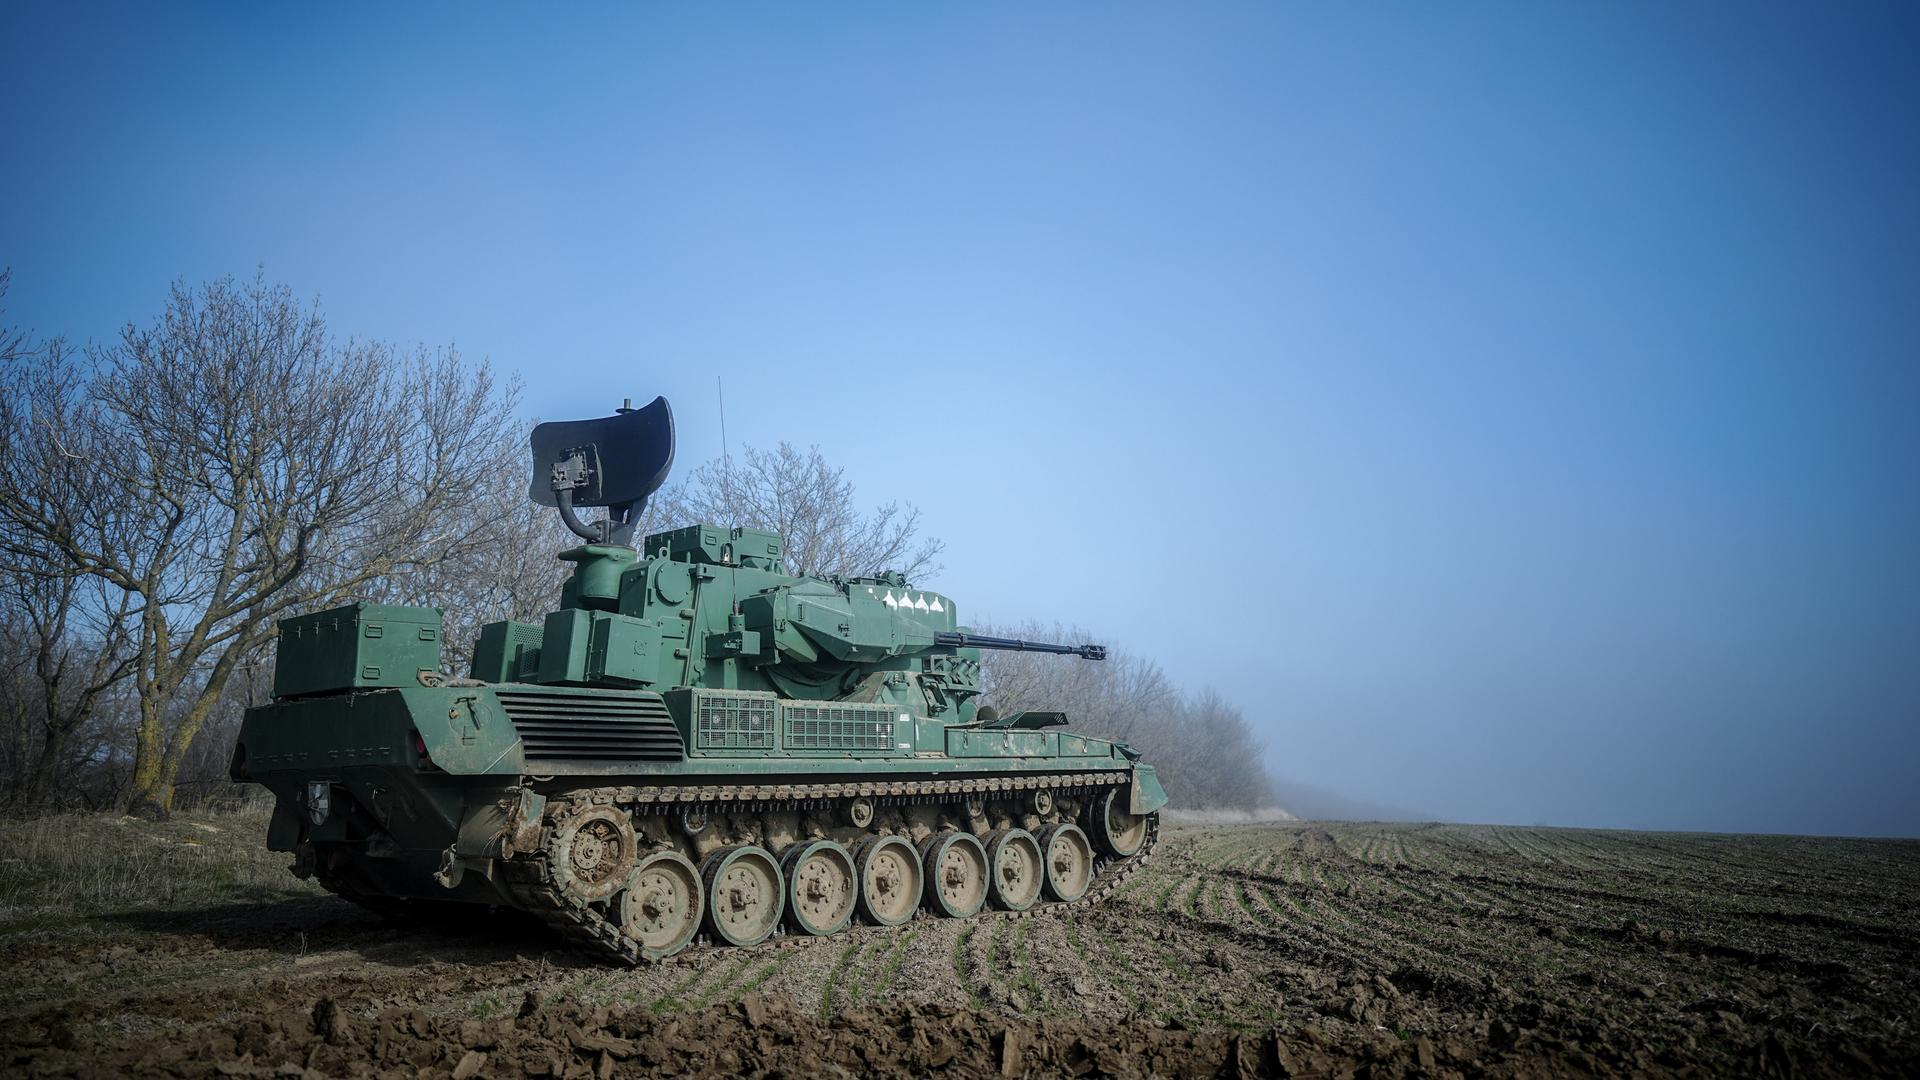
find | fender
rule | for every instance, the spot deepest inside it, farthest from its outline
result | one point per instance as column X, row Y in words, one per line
column 1147, row 794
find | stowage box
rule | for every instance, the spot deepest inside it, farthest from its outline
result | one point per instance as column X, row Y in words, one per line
column 359, row 645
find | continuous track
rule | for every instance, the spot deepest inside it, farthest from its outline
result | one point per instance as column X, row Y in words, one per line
column 529, row 876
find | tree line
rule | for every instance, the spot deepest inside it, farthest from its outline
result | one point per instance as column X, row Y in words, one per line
column 1200, row 743
column 167, row 496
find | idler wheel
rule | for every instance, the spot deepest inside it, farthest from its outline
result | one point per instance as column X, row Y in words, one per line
column 821, row 887
column 888, row 869
column 1068, row 862
column 956, row 867
column 1120, row 832
column 662, row 904
column 592, row 852
column 745, row 894
column 1017, row 873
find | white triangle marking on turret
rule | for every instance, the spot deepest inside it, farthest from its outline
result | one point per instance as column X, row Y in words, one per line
column 920, row 602
column 935, row 606
column 889, row 600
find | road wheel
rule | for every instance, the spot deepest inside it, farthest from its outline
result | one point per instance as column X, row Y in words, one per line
column 662, row 903
column 821, row 887
column 888, row 869
column 1120, row 832
column 956, row 867
column 745, row 894
column 1068, row 862
column 592, row 852
column 1017, row 873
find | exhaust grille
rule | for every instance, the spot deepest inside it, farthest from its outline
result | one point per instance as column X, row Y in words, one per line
column 839, row 726
column 566, row 727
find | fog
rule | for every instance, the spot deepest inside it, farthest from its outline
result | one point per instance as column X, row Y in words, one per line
column 1513, row 410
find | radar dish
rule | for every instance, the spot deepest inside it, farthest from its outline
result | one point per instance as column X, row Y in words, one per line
column 627, row 456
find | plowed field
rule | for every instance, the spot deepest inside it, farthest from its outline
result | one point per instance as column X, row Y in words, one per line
column 1292, row 949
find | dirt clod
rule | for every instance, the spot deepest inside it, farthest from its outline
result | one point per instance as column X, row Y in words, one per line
column 1010, row 1042
column 326, row 1019
column 470, row 1065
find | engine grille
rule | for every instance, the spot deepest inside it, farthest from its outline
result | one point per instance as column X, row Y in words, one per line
column 735, row 720
column 568, row 727
column 839, row 727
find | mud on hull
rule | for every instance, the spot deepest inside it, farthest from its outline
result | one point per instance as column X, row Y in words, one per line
column 636, row 874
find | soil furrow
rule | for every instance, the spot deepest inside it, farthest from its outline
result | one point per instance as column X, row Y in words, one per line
column 1366, row 948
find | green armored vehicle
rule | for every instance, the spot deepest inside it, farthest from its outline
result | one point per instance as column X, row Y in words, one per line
column 697, row 745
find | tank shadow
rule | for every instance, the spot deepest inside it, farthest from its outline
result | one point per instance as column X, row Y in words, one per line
column 299, row 926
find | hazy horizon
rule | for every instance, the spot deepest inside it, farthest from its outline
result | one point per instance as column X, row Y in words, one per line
column 1512, row 408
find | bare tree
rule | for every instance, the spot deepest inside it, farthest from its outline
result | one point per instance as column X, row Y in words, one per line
column 15, row 343
column 1217, row 754
column 812, row 505
column 1122, row 697
column 510, row 570
column 65, row 646
column 230, row 464
column 63, row 642
column 1202, row 745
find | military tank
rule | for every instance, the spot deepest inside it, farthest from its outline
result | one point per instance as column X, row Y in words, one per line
column 698, row 749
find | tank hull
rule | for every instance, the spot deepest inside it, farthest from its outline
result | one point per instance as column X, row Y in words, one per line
column 562, row 801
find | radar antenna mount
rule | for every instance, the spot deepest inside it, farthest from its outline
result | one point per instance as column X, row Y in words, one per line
column 616, row 461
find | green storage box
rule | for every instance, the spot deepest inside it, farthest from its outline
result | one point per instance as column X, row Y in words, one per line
column 357, row 646
column 583, row 647
column 507, row 652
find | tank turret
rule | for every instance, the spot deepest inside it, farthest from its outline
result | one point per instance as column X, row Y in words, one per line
column 713, row 607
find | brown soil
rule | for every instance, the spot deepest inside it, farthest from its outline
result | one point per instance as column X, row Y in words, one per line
column 1286, row 949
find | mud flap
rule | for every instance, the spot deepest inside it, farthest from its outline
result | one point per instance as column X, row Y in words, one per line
column 522, row 830
column 491, row 830
column 283, row 831
column 1147, row 794
column 501, row 825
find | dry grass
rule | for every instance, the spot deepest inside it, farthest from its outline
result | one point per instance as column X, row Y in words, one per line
column 75, row 865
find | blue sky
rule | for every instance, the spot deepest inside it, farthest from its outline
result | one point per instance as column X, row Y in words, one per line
column 1513, row 406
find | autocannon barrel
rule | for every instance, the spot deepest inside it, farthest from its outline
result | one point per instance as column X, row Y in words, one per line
column 978, row 641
